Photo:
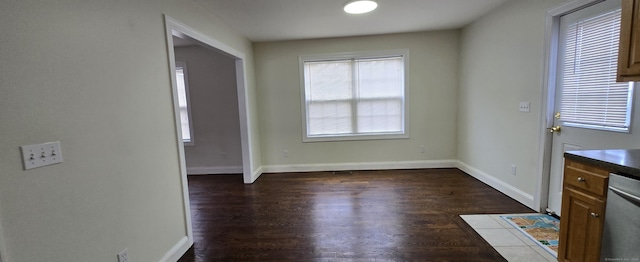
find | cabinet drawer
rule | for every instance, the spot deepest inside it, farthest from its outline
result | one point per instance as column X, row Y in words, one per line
column 585, row 177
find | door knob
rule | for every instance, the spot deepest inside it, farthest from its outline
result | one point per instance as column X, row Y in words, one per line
column 554, row 129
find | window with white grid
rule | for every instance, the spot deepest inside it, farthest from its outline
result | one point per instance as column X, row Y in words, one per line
column 354, row 96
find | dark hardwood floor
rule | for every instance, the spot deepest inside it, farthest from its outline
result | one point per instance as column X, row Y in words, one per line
column 394, row 215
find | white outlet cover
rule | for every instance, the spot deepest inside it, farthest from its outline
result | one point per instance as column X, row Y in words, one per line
column 39, row 155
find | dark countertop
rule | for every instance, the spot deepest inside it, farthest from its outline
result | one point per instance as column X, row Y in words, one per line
column 620, row 161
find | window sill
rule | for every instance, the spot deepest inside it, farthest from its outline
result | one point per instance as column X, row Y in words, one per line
column 335, row 138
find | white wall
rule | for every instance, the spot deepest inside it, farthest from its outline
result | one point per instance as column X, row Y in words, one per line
column 502, row 57
column 2, row 249
column 95, row 76
column 214, row 111
column 433, row 102
column 502, row 64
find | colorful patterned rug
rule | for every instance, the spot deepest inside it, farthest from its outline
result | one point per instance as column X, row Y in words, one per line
column 543, row 229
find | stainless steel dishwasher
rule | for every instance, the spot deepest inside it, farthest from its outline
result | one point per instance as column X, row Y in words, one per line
column 621, row 236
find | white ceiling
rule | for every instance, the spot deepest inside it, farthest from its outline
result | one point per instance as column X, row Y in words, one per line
column 272, row 20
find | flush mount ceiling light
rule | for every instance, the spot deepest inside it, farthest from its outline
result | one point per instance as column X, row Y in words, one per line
column 360, row 6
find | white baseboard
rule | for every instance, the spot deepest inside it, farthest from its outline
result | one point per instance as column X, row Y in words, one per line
column 213, row 170
column 509, row 190
column 178, row 250
column 446, row 163
column 256, row 174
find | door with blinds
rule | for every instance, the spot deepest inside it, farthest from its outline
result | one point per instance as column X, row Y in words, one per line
column 592, row 110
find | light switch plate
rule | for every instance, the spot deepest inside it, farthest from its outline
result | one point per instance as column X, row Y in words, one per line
column 525, row 106
column 123, row 256
column 39, row 155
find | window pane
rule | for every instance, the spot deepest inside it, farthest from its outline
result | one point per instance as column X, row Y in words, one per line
column 380, row 78
column 332, row 117
column 182, row 93
column 328, row 80
column 181, row 85
column 184, row 119
column 380, row 115
column 590, row 94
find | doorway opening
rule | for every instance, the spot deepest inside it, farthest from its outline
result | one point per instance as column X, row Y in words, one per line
column 564, row 130
column 176, row 29
column 208, row 101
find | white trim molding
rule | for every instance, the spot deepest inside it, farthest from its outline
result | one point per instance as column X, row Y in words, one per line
column 178, row 250
column 505, row 188
column 170, row 26
column 214, row 170
column 181, row 30
column 173, row 27
column 509, row 190
column 256, row 175
column 447, row 163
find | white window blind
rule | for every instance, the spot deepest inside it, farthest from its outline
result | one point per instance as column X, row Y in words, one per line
column 591, row 97
column 354, row 96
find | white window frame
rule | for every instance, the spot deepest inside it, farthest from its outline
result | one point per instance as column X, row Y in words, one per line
column 183, row 65
column 404, row 134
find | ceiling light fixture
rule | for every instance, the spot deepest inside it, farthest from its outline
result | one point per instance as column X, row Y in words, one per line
column 360, row 6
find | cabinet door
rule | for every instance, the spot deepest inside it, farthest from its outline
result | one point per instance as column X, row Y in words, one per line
column 580, row 226
column 629, row 52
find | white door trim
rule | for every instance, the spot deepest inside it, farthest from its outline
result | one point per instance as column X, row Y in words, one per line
column 552, row 25
column 173, row 27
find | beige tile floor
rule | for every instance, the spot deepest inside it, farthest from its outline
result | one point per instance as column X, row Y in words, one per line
column 512, row 244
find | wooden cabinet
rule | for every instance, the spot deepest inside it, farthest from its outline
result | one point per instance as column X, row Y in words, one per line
column 583, row 206
column 629, row 52
column 583, row 226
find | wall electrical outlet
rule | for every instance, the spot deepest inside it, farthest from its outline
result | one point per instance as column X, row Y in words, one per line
column 39, row 155
column 122, row 256
column 423, row 149
column 285, row 153
column 525, row 107
column 513, row 170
